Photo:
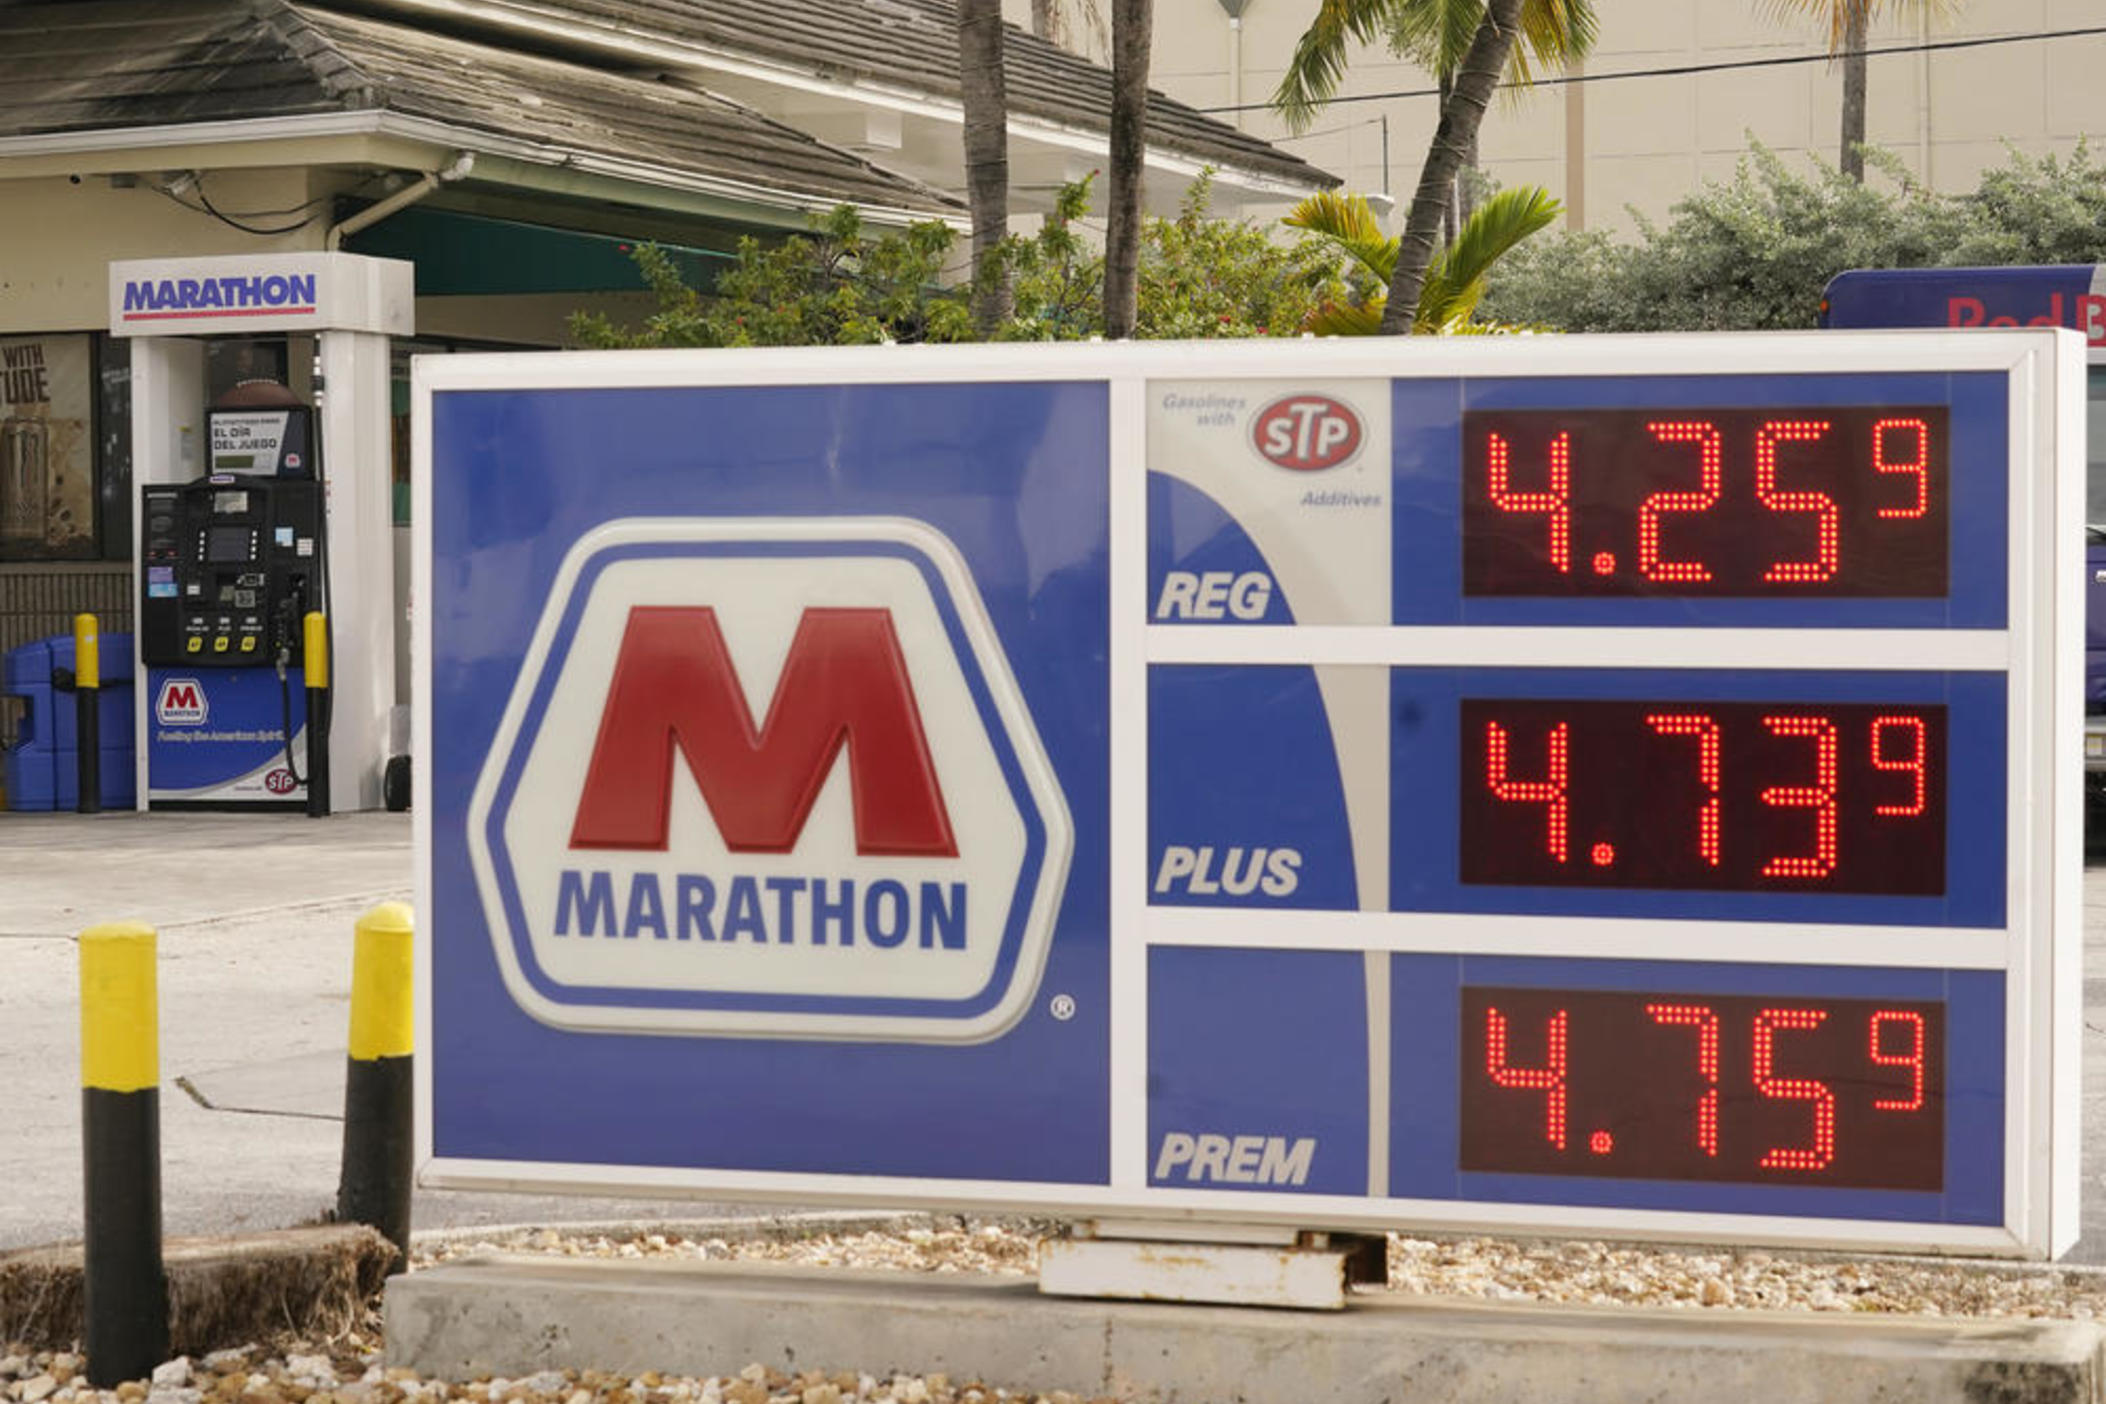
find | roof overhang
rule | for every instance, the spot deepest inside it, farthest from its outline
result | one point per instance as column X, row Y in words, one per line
column 390, row 140
column 911, row 131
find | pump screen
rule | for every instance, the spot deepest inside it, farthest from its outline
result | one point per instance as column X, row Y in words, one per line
column 228, row 545
column 228, row 503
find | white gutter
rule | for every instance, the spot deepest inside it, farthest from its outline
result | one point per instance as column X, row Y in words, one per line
column 655, row 50
column 463, row 162
column 372, row 123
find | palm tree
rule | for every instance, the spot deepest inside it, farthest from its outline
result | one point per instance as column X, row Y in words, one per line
column 1461, row 114
column 1553, row 31
column 1131, row 22
column 1456, row 278
column 1849, row 22
column 986, row 102
column 1434, row 33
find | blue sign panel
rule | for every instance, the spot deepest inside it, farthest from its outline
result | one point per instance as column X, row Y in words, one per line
column 747, row 587
column 1573, row 786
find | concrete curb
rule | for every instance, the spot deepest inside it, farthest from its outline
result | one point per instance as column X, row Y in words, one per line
column 515, row 1316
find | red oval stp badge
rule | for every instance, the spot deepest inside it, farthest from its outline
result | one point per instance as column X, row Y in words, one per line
column 1306, row 433
column 280, row 782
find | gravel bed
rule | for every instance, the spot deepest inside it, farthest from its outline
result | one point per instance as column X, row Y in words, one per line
column 349, row 1369
column 1488, row 1269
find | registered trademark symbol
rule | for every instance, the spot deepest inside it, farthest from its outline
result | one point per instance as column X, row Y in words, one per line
column 1062, row 1007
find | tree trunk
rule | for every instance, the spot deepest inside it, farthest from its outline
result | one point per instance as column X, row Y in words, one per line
column 1131, row 22
column 1475, row 81
column 986, row 103
column 1466, row 183
column 1449, row 226
column 1854, row 36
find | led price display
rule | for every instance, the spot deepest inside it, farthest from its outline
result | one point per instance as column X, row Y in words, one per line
column 1795, row 502
column 1736, row 796
column 1783, row 1090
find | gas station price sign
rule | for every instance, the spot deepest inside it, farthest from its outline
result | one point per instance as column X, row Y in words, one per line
column 1791, row 502
column 1620, row 785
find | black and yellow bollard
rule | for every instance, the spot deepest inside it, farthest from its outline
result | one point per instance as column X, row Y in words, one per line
column 379, row 1090
column 126, row 1328
column 87, row 713
column 314, row 664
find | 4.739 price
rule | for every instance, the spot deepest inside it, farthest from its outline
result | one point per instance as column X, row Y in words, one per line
column 1735, row 796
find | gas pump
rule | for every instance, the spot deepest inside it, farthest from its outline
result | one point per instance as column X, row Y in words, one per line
column 229, row 565
column 256, row 508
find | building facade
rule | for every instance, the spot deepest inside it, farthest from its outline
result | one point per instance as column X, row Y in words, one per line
column 1613, row 144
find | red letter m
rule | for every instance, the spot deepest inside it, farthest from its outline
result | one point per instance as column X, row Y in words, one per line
column 844, row 684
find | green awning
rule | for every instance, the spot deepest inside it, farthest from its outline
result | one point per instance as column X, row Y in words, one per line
column 458, row 254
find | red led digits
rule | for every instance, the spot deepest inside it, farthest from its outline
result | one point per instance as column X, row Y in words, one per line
column 1819, row 797
column 1555, row 504
column 1548, row 1079
column 1710, row 455
column 1912, row 1060
column 1912, row 765
column 1703, row 1086
column 1706, row 732
column 1551, row 792
column 1828, row 547
column 1704, row 1020
column 1771, row 500
column 1919, row 466
column 1794, row 1089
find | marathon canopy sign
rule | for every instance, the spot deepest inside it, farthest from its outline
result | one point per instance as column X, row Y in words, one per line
column 812, row 803
column 261, row 292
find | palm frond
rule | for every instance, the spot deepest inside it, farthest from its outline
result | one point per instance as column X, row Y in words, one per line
column 1348, row 222
column 1838, row 13
column 1344, row 319
column 1320, row 56
column 1435, row 34
column 1455, row 279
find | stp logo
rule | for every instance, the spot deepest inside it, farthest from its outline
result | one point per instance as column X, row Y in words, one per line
column 1306, row 433
column 769, row 777
column 280, row 782
column 181, row 702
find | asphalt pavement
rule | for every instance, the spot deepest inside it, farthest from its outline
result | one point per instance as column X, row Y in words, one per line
column 256, row 914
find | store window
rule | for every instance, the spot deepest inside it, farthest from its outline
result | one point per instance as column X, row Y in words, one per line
column 50, row 491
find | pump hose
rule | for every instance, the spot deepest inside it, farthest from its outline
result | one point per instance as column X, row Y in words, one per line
column 285, row 714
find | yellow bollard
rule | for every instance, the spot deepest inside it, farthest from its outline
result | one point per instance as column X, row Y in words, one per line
column 314, row 664
column 87, row 713
column 379, row 1086
column 126, row 1326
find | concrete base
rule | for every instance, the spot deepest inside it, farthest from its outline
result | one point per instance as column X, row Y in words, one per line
column 514, row 1316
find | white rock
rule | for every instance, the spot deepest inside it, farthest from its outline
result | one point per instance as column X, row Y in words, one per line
column 40, row 1388
column 310, row 1369
column 173, row 1395
column 546, row 1381
column 173, row 1374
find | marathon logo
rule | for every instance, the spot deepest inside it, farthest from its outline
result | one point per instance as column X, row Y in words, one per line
column 181, row 702
column 157, row 299
column 771, row 778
